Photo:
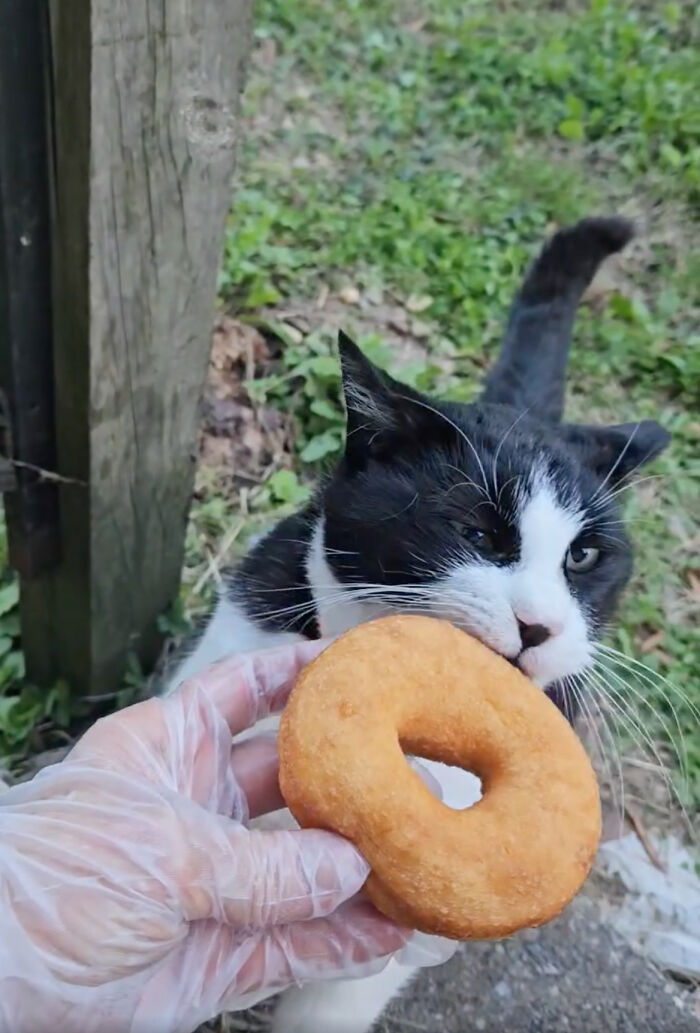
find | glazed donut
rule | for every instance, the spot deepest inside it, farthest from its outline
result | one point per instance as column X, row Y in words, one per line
column 416, row 685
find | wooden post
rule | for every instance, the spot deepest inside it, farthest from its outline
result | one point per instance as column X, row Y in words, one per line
column 145, row 109
column 26, row 371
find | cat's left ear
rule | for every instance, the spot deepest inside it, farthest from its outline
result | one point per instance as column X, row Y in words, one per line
column 383, row 415
column 615, row 453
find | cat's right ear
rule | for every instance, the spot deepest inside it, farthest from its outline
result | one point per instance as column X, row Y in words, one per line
column 615, row 453
column 381, row 412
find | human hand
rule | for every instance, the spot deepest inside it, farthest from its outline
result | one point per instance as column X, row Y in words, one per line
column 135, row 898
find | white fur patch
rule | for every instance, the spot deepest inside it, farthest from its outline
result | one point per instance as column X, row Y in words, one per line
column 336, row 610
column 228, row 632
column 488, row 600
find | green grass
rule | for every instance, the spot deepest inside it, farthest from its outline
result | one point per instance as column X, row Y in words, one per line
column 422, row 151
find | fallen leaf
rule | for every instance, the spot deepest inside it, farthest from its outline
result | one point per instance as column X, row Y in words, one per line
column 349, row 295
column 603, row 283
column 650, row 643
column 240, row 440
column 416, row 26
column 400, row 323
column 693, row 579
column 374, row 294
column 677, row 529
column 420, row 330
column 293, row 333
column 266, row 53
column 418, row 302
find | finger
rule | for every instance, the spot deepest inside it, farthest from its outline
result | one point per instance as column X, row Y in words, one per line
column 218, row 968
column 244, row 689
column 256, row 879
column 255, row 767
column 344, row 943
column 356, row 940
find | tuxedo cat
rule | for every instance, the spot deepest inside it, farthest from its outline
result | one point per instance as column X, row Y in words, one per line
column 495, row 515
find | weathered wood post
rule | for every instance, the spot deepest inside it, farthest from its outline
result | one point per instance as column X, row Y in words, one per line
column 145, row 104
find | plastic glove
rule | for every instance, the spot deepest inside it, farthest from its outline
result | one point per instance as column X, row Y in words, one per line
column 135, row 900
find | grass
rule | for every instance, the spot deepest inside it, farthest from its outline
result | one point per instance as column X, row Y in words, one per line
column 405, row 157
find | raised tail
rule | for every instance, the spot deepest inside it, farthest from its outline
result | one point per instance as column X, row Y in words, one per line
column 530, row 370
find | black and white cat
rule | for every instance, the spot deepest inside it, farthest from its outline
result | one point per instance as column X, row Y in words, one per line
column 496, row 516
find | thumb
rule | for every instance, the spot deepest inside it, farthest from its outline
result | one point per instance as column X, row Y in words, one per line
column 256, row 879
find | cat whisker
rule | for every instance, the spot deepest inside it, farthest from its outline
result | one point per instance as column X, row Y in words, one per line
column 392, row 516
column 609, row 496
column 516, row 477
column 616, row 705
column 617, row 759
column 467, row 482
column 580, row 694
column 631, row 722
column 609, row 537
column 621, row 688
column 458, row 430
column 679, row 747
column 501, row 443
column 617, row 462
column 650, row 677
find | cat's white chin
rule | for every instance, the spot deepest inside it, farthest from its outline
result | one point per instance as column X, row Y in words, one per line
column 555, row 660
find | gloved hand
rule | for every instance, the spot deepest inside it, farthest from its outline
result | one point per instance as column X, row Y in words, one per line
column 134, row 898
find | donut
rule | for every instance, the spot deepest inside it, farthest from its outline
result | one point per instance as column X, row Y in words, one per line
column 419, row 686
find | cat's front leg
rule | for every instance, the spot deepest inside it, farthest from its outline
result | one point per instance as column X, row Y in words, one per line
column 343, row 1006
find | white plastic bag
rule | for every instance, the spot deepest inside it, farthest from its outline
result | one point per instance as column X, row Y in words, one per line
column 660, row 913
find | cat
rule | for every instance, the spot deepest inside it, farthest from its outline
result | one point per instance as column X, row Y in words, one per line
column 494, row 515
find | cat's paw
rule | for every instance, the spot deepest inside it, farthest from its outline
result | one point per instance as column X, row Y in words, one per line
column 345, row 1006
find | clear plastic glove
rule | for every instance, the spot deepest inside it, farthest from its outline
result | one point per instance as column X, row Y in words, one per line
column 135, row 900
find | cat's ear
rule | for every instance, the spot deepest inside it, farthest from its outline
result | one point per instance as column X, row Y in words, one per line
column 615, row 453
column 381, row 413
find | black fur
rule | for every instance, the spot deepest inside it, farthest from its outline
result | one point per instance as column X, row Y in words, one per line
column 530, row 371
column 271, row 583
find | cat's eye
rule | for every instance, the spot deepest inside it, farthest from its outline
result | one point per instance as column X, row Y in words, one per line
column 474, row 535
column 581, row 558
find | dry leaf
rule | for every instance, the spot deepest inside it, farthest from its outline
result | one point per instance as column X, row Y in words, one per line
column 650, row 643
column 295, row 335
column 415, row 27
column 266, row 53
column 349, row 295
column 693, row 579
column 418, row 303
column 238, row 439
column 420, row 330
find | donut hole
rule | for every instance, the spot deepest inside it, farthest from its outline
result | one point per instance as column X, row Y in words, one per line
column 459, row 789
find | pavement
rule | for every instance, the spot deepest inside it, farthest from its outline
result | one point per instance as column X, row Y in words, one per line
column 574, row 975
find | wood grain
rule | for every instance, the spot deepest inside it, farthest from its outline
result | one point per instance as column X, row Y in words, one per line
column 146, row 105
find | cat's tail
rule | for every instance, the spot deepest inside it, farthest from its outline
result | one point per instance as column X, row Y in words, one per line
column 530, row 370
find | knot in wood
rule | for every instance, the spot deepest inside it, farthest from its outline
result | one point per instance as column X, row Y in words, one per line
column 209, row 124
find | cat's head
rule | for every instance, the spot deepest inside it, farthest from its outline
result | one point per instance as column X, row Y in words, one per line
column 493, row 515
column 482, row 515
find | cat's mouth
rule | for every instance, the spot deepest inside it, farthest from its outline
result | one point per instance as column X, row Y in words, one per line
column 553, row 692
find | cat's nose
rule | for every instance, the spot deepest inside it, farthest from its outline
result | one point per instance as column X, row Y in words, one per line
column 532, row 635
